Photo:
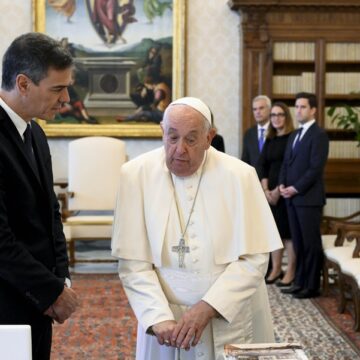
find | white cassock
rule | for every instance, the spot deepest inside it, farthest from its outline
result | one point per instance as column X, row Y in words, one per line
column 230, row 234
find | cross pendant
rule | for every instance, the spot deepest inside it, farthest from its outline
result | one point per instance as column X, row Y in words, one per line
column 181, row 249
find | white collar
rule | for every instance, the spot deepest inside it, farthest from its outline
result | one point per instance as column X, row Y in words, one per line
column 306, row 126
column 263, row 126
column 18, row 121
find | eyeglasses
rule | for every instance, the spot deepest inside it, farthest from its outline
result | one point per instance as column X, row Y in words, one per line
column 277, row 115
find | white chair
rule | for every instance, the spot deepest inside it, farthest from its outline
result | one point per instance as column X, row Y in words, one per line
column 15, row 342
column 93, row 176
column 350, row 278
column 333, row 241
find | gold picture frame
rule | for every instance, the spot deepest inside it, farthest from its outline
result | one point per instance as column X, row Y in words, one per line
column 125, row 129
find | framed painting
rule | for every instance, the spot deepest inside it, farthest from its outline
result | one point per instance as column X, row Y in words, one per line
column 129, row 63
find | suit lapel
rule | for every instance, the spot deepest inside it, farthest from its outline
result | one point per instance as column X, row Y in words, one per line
column 37, row 140
column 255, row 141
column 303, row 143
column 15, row 138
column 288, row 151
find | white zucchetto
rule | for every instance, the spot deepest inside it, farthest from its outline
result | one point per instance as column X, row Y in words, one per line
column 196, row 104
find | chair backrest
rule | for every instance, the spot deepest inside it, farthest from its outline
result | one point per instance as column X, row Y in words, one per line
column 15, row 342
column 94, row 171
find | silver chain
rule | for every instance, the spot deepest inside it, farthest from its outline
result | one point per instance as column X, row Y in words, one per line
column 193, row 204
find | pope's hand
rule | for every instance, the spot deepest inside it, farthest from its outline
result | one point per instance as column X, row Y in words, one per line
column 192, row 324
column 163, row 331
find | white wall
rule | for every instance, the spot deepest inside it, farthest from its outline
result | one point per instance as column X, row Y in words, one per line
column 212, row 68
column 15, row 19
column 213, row 64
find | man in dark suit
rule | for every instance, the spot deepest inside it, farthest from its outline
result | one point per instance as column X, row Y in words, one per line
column 254, row 137
column 301, row 184
column 33, row 259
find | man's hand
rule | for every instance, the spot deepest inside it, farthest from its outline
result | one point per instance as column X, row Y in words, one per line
column 287, row 192
column 64, row 306
column 192, row 324
column 163, row 331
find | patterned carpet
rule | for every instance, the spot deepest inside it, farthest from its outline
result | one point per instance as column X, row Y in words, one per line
column 105, row 327
column 342, row 322
column 308, row 323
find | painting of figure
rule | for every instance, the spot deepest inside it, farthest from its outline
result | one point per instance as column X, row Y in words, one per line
column 64, row 7
column 123, row 52
column 111, row 17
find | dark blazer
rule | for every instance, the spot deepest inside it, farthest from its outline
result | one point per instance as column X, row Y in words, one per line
column 250, row 152
column 218, row 143
column 33, row 257
column 304, row 169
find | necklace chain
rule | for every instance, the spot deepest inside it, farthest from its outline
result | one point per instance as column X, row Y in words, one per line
column 193, row 204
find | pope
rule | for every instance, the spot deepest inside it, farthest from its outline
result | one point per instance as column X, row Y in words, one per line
column 193, row 232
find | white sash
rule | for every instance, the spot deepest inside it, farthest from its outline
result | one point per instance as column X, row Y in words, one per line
column 183, row 287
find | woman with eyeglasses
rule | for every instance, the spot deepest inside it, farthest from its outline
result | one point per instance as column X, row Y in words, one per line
column 271, row 158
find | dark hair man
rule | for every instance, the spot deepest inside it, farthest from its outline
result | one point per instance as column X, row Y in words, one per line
column 302, row 185
column 37, row 71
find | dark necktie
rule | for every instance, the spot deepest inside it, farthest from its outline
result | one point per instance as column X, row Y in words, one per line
column 29, row 149
column 261, row 139
column 297, row 140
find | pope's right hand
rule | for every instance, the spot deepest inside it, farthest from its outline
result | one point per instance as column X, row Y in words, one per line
column 163, row 331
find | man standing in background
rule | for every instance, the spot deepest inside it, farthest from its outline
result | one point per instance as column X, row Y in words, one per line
column 302, row 185
column 254, row 137
column 37, row 72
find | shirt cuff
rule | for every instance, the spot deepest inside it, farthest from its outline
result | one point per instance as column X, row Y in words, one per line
column 67, row 282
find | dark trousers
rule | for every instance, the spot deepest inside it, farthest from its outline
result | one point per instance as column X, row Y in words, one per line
column 15, row 310
column 41, row 339
column 305, row 229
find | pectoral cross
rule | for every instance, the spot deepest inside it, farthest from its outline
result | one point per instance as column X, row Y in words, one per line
column 181, row 249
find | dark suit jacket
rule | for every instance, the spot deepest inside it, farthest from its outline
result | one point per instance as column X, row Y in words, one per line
column 250, row 152
column 304, row 169
column 218, row 143
column 33, row 257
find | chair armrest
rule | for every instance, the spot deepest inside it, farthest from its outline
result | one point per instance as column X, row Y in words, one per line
column 61, row 182
column 353, row 233
column 63, row 198
column 329, row 224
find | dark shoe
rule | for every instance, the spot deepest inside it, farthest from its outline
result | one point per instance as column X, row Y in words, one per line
column 282, row 284
column 292, row 290
column 272, row 281
column 306, row 294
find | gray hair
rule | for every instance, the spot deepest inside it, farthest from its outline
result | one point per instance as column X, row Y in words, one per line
column 263, row 97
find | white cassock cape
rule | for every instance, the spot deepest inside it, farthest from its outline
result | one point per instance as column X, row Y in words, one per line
column 230, row 235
